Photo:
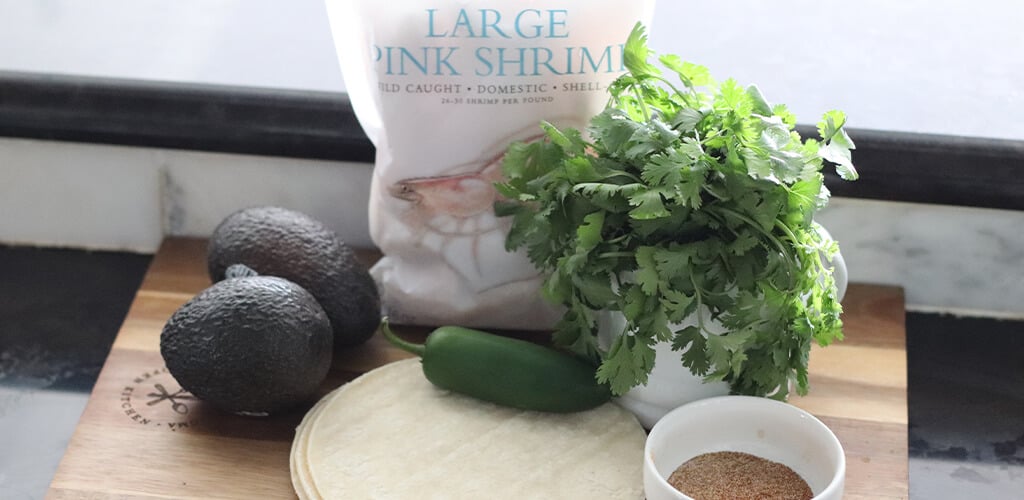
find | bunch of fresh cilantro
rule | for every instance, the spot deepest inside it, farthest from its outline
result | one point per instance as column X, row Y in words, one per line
column 689, row 199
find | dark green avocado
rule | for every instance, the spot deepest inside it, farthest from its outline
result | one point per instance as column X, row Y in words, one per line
column 280, row 242
column 250, row 345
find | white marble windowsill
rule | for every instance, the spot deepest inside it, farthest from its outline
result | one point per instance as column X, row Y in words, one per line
column 951, row 259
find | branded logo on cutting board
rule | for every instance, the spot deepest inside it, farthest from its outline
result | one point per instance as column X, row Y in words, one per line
column 155, row 398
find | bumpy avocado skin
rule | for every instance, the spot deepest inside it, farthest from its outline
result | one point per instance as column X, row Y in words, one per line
column 256, row 345
column 279, row 242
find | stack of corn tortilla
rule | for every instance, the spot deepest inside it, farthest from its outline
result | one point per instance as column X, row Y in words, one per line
column 390, row 434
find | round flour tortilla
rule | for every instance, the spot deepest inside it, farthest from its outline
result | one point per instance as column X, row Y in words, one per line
column 390, row 434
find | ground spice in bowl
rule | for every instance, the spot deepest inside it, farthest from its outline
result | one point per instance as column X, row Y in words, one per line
column 736, row 475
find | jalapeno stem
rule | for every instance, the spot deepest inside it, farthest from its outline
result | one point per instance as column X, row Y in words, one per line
column 417, row 349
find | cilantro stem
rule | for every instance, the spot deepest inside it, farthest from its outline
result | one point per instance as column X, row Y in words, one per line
column 616, row 255
column 664, row 80
column 820, row 267
column 713, row 135
column 641, row 101
column 618, row 239
column 789, row 232
column 625, row 174
column 771, row 237
column 700, row 303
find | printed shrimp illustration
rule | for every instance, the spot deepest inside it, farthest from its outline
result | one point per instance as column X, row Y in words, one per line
column 454, row 205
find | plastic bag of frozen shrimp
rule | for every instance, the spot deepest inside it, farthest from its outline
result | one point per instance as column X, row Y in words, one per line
column 442, row 88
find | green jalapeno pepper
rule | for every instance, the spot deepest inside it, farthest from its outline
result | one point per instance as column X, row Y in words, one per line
column 506, row 371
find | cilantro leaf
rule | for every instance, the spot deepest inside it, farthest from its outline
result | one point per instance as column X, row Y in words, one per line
column 692, row 75
column 649, row 204
column 647, row 270
column 628, row 362
column 837, row 144
column 677, row 304
column 759, row 103
column 612, row 130
column 693, row 345
column 588, row 234
column 635, row 53
column 687, row 119
column 569, row 140
column 663, row 170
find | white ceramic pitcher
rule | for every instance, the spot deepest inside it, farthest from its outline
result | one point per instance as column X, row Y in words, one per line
column 671, row 384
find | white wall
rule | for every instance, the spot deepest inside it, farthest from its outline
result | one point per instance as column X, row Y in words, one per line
column 938, row 66
column 263, row 43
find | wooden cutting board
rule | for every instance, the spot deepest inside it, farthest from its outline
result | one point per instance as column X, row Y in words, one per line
column 139, row 437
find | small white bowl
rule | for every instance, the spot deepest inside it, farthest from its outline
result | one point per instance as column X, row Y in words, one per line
column 769, row 429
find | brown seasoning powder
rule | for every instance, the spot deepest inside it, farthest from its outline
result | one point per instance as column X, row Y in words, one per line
column 736, row 475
